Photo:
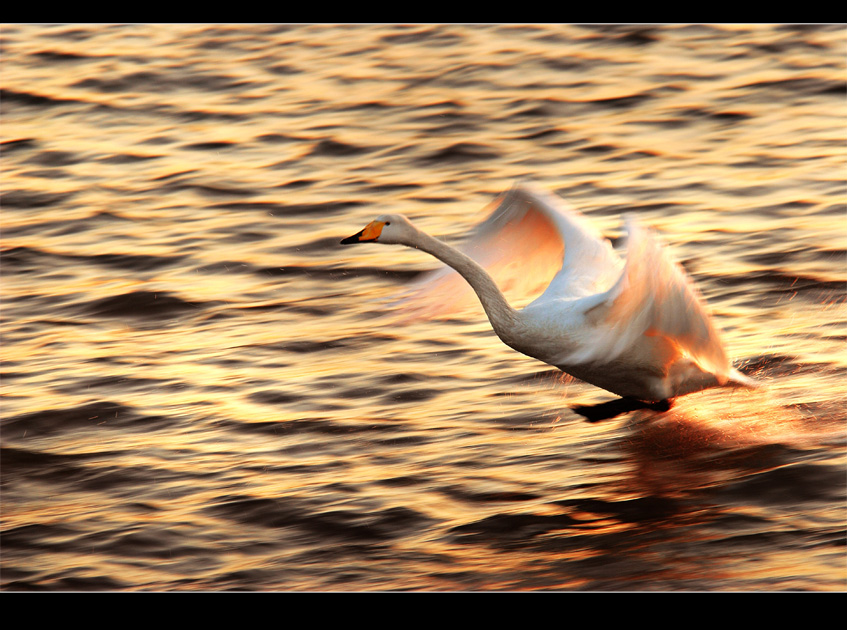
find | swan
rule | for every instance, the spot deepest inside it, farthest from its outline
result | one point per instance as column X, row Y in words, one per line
column 635, row 327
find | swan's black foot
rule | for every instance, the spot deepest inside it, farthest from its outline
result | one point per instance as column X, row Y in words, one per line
column 612, row 408
column 662, row 405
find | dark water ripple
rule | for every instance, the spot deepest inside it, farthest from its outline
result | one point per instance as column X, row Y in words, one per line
column 16, row 97
column 332, row 524
column 790, row 485
column 32, row 199
column 143, row 304
column 33, row 260
column 90, row 416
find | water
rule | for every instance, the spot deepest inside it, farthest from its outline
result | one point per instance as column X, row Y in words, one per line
column 201, row 390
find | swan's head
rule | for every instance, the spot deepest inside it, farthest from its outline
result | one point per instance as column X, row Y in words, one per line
column 387, row 228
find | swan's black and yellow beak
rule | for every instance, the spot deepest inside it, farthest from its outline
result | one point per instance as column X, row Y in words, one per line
column 370, row 233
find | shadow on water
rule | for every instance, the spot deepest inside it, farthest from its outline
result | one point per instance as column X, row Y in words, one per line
column 695, row 481
column 714, row 440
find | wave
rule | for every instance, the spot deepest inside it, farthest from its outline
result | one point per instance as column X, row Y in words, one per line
column 32, row 259
column 95, row 416
column 141, row 304
column 349, row 524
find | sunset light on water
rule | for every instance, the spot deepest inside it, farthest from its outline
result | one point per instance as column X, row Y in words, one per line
column 203, row 390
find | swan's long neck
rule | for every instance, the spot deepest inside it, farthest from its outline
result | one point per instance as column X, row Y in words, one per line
column 502, row 316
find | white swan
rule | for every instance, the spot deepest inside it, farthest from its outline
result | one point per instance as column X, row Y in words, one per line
column 635, row 328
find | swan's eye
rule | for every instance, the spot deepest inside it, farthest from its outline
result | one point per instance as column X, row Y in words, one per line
column 388, row 223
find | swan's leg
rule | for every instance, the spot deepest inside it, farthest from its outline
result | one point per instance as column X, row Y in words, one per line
column 613, row 408
column 662, row 405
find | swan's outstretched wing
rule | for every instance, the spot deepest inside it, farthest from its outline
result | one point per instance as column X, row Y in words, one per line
column 654, row 306
column 532, row 243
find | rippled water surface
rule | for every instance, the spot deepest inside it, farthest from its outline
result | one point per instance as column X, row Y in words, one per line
column 201, row 388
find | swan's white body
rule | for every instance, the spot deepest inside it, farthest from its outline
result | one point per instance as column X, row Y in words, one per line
column 636, row 328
